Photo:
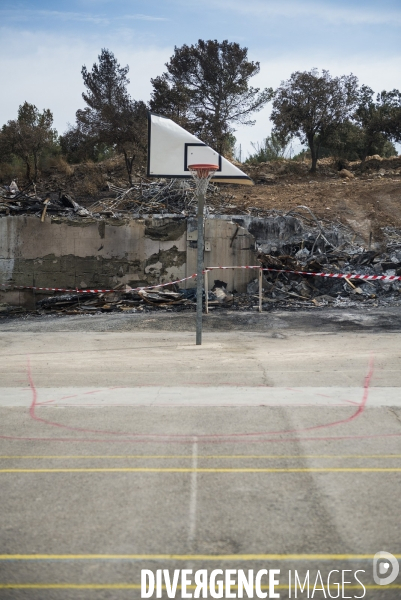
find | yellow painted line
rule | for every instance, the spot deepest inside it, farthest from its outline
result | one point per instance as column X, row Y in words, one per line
column 189, row 557
column 209, row 470
column 217, row 456
column 137, row 586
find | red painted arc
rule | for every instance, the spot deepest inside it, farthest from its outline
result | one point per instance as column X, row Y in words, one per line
column 204, row 437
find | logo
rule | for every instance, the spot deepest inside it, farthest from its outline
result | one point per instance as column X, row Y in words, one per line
column 385, row 568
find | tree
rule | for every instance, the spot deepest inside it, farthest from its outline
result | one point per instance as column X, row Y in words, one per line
column 27, row 136
column 206, row 89
column 77, row 147
column 379, row 119
column 311, row 106
column 272, row 148
column 112, row 117
column 172, row 101
column 349, row 142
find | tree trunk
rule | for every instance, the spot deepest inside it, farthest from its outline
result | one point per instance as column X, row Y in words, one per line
column 367, row 150
column 129, row 163
column 28, row 169
column 35, row 162
column 314, row 155
column 314, row 152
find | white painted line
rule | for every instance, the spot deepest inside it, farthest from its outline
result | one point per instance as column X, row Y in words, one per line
column 199, row 395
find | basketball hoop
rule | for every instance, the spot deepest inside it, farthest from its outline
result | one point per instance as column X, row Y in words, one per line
column 176, row 153
column 202, row 174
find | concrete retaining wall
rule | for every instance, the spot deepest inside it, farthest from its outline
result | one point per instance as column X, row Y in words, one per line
column 139, row 252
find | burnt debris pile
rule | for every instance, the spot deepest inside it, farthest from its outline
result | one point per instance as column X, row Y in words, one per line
column 159, row 196
column 127, row 300
column 28, row 201
column 163, row 196
column 318, row 247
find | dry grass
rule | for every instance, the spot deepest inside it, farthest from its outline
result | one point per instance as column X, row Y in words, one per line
column 58, row 164
column 92, row 181
column 10, row 171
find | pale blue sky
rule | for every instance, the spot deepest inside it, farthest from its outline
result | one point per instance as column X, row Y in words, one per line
column 44, row 44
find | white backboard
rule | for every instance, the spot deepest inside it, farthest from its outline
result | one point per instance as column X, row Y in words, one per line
column 171, row 149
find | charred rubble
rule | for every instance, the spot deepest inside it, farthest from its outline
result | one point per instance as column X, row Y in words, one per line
column 289, row 288
column 318, row 246
column 160, row 196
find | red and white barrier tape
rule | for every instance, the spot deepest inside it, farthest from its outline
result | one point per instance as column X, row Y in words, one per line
column 330, row 275
column 92, row 291
column 150, row 287
column 48, row 289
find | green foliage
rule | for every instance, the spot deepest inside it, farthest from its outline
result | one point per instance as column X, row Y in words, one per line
column 172, row 100
column 77, row 147
column 379, row 119
column 27, row 137
column 388, row 150
column 273, row 147
column 345, row 141
column 112, row 119
column 11, row 167
column 311, row 106
column 302, row 155
column 206, row 90
column 229, row 147
column 349, row 141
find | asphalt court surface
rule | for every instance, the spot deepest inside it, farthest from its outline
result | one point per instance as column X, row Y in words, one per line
column 120, row 452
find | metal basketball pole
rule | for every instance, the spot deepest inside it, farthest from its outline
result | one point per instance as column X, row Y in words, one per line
column 199, row 270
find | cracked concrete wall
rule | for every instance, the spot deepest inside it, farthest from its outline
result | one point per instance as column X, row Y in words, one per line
column 139, row 252
column 70, row 254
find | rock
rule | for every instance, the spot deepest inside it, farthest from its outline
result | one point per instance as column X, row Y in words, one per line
column 253, row 287
column 345, row 174
column 378, row 268
column 266, row 178
column 324, row 298
column 303, row 253
column 303, row 289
